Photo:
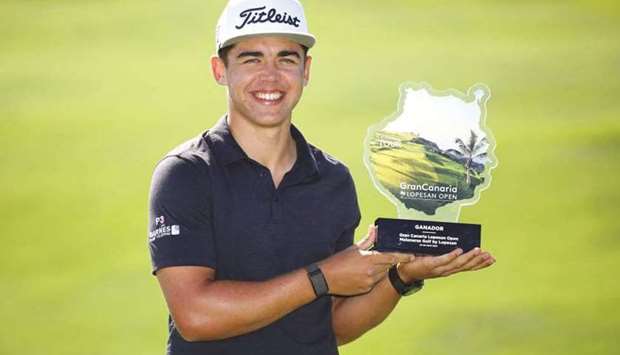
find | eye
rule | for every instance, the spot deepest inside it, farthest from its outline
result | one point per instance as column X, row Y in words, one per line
column 250, row 61
column 289, row 61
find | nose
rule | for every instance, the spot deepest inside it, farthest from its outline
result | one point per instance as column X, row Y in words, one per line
column 270, row 72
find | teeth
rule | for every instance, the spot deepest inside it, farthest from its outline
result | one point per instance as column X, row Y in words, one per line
column 269, row 96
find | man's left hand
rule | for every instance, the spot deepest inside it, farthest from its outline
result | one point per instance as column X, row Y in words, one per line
column 428, row 267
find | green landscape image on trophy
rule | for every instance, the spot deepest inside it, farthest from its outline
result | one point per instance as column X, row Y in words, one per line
column 435, row 154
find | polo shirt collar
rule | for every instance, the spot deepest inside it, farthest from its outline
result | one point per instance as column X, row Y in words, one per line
column 228, row 151
column 224, row 145
column 305, row 166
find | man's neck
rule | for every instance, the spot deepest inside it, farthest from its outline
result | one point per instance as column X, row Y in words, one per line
column 272, row 147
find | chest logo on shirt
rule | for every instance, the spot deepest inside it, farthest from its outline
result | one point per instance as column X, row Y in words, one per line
column 162, row 230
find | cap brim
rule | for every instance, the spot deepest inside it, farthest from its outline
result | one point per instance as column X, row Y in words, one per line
column 306, row 40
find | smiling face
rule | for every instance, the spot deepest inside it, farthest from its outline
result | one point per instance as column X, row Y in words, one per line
column 265, row 77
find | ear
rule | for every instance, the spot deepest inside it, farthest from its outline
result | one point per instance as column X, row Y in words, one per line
column 219, row 70
column 307, row 70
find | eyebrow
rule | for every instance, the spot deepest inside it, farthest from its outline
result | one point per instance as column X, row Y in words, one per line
column 284, row 53
column 249, row 54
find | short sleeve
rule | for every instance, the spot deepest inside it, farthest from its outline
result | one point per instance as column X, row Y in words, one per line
column 180, row 218
column 346, row 239
column 353, row 217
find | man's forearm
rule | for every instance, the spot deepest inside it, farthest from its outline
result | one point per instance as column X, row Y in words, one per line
column 354, row 316
column 223, row 309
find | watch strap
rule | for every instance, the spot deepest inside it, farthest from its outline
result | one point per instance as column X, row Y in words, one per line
column 317, row 279
column 400, row 286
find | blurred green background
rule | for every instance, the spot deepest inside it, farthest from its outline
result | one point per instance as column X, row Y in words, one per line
column 93, row 93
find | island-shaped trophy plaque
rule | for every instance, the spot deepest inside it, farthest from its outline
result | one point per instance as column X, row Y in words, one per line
column 430, row 158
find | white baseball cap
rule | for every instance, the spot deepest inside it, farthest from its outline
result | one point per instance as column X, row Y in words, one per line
column 247, row 18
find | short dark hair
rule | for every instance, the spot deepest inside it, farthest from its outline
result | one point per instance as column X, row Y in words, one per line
column 223, row 52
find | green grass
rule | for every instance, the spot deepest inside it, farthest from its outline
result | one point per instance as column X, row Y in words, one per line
column 92, row 93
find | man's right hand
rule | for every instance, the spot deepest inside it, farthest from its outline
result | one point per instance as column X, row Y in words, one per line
column 356, row 269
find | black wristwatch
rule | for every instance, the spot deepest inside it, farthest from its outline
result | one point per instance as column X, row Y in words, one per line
column 400, row 286
column 319, row 284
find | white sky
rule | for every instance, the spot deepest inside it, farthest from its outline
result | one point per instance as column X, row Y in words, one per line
column 440, row 119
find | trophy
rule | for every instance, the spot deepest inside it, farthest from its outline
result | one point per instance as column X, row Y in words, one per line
column 430, row 158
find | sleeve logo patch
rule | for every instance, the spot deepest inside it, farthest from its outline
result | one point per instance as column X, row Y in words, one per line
column 162, row 230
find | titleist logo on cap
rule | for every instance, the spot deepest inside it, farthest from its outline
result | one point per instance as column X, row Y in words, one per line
column 257, row 15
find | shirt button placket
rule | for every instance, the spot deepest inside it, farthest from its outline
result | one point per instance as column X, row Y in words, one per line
column 276, row 207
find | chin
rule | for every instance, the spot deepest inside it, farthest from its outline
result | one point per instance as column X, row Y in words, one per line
column 262, row 116
column 269, row 121
column 269, row 117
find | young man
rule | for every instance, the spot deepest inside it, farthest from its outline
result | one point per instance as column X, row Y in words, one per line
column 252, row 228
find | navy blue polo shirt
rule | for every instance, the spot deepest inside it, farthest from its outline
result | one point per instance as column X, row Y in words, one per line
column 211, row 205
